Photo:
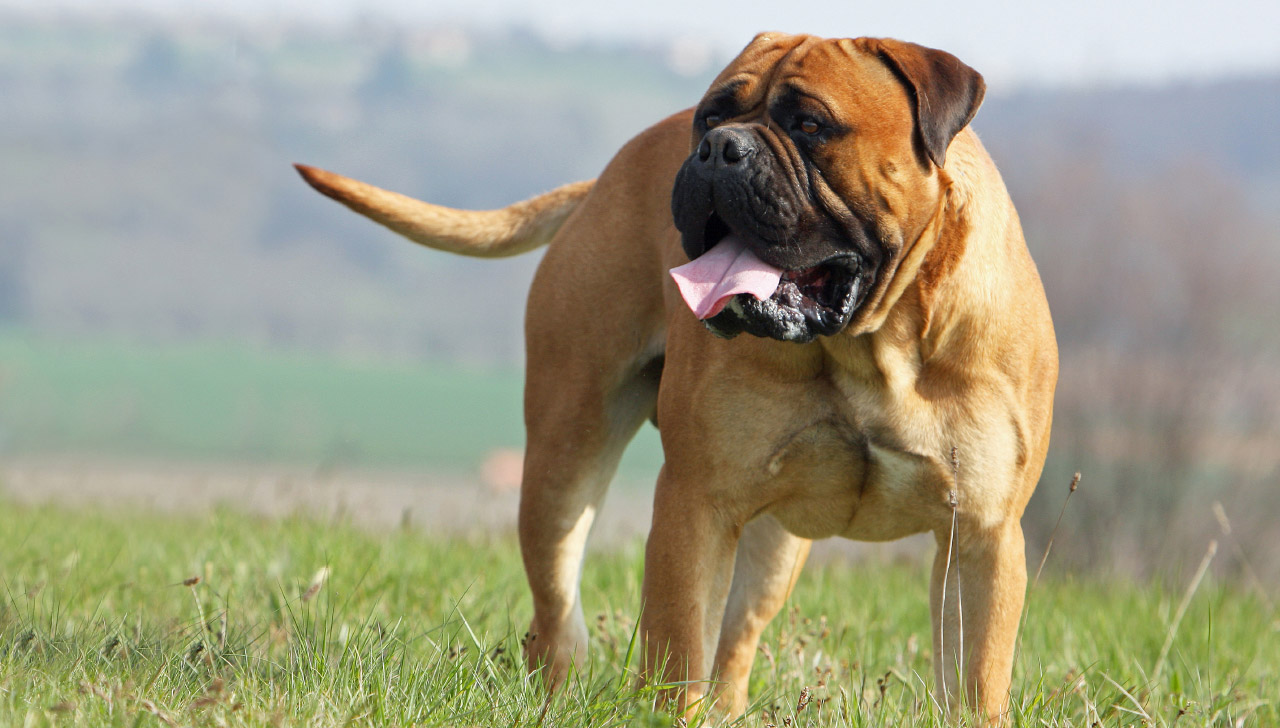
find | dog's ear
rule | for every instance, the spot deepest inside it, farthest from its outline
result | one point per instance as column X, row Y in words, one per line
column 947, row 92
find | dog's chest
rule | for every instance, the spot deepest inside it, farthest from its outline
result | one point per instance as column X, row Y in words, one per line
column 863, row 464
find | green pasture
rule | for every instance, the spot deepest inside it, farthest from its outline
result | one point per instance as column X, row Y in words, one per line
column 232, row 402
column 131, row 619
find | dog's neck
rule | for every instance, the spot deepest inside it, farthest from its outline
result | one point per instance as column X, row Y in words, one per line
column 921, row 313
column 915, row 260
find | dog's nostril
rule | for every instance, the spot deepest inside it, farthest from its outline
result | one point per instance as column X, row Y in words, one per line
column 732, row 152
column 704, row 150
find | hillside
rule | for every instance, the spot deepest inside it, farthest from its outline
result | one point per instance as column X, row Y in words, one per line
column 149, row 192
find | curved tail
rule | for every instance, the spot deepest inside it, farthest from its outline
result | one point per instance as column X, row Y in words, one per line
column 511, row 230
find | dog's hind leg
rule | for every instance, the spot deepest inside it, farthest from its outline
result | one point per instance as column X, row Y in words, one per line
column 573, row 449
column 595, row 335
column 768, row 561
column 592, row 381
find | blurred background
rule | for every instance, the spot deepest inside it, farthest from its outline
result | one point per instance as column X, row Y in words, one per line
column 183, row 322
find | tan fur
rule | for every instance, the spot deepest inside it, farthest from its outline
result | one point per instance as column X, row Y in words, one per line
column 769, row 444
column 512, row 230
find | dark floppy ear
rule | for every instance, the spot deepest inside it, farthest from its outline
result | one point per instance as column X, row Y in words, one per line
column 947, row 92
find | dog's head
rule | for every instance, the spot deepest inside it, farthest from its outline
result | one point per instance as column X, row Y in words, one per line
column 821, row 158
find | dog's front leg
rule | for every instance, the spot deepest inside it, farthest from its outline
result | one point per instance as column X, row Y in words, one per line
column 768, row 562
column 688, row 569
column 977, row 591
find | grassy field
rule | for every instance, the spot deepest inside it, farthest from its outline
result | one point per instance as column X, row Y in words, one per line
column 232, row 402
column 298, row 622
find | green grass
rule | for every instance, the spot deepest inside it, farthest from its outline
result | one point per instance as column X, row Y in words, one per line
column 220, row 402
column 98, row 629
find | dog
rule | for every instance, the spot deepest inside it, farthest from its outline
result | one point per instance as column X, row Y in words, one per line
column 815, row 284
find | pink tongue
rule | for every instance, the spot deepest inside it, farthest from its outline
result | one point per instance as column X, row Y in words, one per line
column 708, row 282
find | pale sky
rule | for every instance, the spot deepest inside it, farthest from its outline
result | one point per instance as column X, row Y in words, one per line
column 1012, row 43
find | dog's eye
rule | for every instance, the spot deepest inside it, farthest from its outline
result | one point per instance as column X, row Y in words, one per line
column 712, row 120
column 809, row 126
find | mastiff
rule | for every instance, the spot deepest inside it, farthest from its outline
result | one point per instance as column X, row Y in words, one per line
column 816, row 286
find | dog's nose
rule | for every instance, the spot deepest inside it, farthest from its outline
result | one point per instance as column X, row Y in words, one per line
column 726, row 146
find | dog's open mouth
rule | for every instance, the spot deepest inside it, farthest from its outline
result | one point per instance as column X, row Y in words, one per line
column 825, row 294
column 733, row 290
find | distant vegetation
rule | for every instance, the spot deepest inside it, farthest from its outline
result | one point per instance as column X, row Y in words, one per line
column 211, row 402
column 147, row 199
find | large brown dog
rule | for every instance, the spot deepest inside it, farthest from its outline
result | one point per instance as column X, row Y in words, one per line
column 899, row 379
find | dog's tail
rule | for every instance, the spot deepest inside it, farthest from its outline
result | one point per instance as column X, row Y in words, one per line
column 511, row 230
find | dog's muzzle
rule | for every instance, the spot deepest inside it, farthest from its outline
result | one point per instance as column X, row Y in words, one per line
column 730, row 187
